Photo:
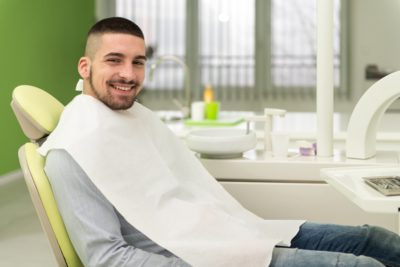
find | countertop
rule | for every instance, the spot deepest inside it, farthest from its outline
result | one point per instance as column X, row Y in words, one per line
column 349, row 181
column 257, row 165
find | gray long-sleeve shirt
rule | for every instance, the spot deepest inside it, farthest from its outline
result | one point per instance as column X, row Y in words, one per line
column 99, row 233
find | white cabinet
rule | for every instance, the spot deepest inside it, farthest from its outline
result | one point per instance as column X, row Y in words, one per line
column 291, row 188
column 317, row 202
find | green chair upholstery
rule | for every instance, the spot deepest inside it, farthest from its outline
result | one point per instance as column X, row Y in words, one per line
column 38, row 114
column 32, row 165
column 37, row 111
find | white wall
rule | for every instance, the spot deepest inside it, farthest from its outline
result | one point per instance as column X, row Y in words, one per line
column 374, row 38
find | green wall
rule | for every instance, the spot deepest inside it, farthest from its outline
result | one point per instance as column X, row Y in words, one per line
column 40, row 44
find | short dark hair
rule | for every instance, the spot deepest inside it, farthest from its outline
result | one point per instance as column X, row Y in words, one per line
column 116, row 25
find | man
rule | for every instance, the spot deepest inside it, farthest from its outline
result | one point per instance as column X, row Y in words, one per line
column 131, row 194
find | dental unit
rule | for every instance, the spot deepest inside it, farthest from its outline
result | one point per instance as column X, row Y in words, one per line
column 367, row 114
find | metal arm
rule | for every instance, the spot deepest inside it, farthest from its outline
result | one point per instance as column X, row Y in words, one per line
column 188, row 94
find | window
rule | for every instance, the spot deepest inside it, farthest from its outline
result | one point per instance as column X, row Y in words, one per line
column 254, row 53
column 227, row 45
column 293, row 44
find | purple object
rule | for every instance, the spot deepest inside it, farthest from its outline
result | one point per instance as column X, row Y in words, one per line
column 307, row 151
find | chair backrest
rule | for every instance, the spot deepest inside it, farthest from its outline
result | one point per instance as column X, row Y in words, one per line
column 38, row 114
column 37, row 111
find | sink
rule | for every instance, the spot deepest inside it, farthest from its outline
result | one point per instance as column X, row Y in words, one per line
column 221, row 143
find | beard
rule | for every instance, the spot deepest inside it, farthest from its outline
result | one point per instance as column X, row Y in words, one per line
column 120, row 102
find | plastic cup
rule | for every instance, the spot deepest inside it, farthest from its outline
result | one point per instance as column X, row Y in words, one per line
column 197, row 111
column 280, row 144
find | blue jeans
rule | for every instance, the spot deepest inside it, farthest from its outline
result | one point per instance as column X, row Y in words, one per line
column 318, row 245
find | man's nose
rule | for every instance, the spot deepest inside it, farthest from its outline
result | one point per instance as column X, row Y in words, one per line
column 127, row 72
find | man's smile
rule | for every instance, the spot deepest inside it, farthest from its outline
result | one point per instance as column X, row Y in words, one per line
column 125, row 87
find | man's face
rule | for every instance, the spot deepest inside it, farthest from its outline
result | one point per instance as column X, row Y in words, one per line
column 114, row 74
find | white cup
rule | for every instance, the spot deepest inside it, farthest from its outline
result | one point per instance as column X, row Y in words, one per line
column 197, row 111
column 280, row 144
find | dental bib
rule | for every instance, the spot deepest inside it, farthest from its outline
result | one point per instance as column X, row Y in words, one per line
column 161, row 188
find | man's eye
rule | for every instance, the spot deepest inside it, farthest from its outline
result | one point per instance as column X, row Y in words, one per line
column 113, row 60
column 139, row 63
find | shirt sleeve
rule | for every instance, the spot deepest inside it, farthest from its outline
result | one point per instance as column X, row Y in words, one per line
column 91, row 221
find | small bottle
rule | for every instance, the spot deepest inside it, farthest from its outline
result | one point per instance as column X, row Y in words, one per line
column 208, row 95
column 211, row 106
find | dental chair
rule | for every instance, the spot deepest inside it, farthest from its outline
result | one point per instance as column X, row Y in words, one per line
column 38, row 113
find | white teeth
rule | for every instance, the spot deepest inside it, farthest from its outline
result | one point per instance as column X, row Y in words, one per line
column 122, row 88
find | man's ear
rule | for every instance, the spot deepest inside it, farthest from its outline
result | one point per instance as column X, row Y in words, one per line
column 84, row 67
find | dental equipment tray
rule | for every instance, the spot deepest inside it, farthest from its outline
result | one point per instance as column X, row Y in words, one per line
column 387, row 185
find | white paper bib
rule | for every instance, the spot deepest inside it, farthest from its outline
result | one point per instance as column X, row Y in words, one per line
column 161, row 188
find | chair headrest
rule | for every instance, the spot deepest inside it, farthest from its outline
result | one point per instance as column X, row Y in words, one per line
column 37, row 111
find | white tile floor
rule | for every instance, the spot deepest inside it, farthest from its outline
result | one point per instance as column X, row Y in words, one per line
column 22, row 241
